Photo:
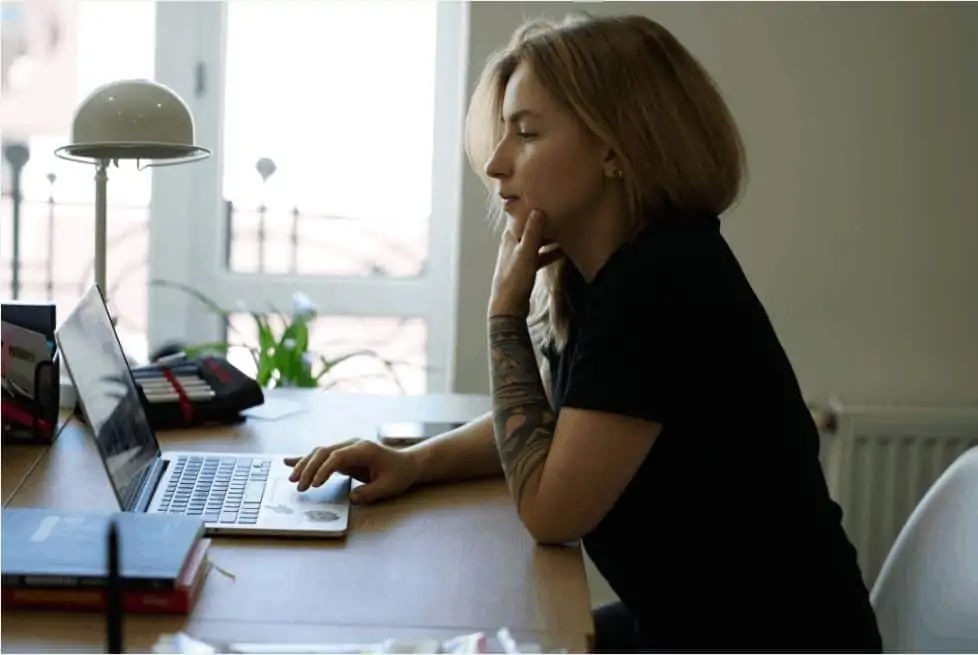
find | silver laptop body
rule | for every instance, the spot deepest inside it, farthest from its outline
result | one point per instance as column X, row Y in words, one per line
column 234, row 493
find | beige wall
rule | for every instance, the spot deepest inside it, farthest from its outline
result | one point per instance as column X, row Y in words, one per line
column 859, row 229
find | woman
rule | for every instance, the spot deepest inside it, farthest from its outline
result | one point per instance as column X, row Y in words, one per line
column 612, row 154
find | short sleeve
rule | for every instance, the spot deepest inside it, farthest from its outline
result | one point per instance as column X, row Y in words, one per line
column 624, row 360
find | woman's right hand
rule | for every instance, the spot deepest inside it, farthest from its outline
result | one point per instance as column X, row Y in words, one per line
column 384, row 471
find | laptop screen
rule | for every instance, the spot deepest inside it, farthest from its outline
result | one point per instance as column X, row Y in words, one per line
column 104, row 385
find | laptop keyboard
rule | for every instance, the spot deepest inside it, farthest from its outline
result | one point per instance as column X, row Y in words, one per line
column 220, row 489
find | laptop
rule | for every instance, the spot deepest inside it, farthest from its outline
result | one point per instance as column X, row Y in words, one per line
column 234, row 493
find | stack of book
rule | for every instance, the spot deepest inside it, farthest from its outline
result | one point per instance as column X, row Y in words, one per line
column 57, row 560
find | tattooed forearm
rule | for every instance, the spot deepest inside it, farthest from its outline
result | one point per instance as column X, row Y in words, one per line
column 523, row 420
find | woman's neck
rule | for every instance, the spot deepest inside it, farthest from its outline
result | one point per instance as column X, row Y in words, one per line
column 590, row 241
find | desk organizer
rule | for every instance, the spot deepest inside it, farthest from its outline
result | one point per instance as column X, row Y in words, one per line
column 29, row 372
column 179, row 392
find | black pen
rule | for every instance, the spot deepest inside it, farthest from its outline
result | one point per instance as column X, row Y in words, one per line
column 113, row 606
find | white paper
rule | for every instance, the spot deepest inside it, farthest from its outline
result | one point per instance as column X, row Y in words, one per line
column 273, row 409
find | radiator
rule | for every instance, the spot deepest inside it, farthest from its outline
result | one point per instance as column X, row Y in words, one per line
column 879, row 460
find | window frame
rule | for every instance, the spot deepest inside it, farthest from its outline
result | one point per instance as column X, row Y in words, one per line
column 187, row 207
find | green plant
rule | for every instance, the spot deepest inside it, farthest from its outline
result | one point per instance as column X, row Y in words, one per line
column 282, row 356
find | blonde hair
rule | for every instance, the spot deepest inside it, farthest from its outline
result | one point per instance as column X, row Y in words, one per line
column 631, row 83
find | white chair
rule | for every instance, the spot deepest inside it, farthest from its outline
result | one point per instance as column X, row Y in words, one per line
column 926, row 595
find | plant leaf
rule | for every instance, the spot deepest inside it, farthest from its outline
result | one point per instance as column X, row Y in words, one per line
column 329, row 364
column 200, row 297
column 292, row 348
column 199, row 349
column 266, row 350
column 389, row 365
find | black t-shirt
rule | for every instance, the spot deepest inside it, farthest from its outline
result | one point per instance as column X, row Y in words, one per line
column 726, row 538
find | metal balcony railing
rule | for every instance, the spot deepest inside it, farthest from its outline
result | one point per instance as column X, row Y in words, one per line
column 47, row 245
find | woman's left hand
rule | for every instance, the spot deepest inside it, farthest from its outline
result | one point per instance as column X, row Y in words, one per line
column 519, row 259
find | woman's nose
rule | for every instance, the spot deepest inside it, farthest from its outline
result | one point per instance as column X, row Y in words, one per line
column 497, row 166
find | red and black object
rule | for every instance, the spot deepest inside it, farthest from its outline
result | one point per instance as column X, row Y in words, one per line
column 33, row 420
column 195, row 392
column 29, row 401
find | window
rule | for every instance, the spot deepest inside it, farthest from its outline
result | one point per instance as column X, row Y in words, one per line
column 328, row 175
column 56, row 240
column 333, row 115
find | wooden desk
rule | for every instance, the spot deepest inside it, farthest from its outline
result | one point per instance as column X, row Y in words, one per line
column 18, row 460
column 442, row 560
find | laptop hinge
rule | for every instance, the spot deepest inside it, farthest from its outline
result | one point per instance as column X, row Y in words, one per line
column 154, row 473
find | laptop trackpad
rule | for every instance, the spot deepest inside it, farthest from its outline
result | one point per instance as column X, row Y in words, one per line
column 326, row 504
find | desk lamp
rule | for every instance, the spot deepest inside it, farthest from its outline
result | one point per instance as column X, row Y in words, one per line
column 128, row 119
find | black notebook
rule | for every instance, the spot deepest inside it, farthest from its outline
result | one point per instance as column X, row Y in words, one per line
column 67, row 548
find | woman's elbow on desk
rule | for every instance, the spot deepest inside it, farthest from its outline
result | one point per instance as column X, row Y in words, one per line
column 582, row 477
column 552, row 535
column 551, row 526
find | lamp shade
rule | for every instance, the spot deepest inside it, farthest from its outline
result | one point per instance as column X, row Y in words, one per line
column 133, row 119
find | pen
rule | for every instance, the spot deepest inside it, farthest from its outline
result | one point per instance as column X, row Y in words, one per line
column 113, row 606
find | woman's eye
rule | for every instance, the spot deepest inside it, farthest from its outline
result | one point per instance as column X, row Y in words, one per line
column 523, row 134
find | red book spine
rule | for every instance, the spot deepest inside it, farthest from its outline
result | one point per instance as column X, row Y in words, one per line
column 175, row 601
column 179, row 600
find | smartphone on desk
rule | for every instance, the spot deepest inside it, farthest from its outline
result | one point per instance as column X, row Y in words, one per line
column 407, row 433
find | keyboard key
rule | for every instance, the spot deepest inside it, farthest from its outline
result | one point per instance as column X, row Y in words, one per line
column 254, row 491
column 228, row 517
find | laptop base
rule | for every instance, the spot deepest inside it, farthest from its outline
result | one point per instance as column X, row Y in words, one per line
column 282, row 510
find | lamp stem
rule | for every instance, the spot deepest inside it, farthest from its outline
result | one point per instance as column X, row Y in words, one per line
column 101, row 191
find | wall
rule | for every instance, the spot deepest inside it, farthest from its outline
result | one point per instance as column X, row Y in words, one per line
column 859, row 227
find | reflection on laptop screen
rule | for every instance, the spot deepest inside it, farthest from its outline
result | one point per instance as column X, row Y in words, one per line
column 104, row 385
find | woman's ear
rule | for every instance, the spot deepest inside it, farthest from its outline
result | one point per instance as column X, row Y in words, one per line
column 611, row 164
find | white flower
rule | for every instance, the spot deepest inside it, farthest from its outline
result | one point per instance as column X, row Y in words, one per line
column 303, row 306
column 289, row 344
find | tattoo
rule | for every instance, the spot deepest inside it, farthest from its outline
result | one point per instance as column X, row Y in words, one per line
column 523, row 420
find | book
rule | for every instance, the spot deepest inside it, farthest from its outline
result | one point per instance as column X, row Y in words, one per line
column 179, row 600
column 66, row 548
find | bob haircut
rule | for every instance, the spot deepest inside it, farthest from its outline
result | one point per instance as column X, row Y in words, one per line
column 631, row 83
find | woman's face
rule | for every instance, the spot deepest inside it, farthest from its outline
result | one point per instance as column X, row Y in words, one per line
column 546, row 159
